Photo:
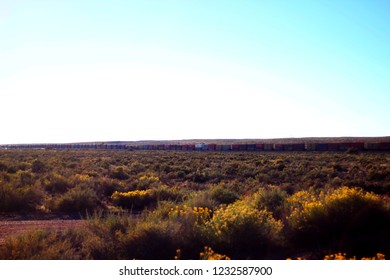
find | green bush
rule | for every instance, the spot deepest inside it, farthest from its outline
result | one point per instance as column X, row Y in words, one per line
column 146, row 182
column 223, row 194
column 103, row 238
column 76, row 200
column 151, row 241
column 19, row 199
column 119, row 173
column 272, row 199
column 57, row 184
column 38, row 166
column 25, row 178
column 202, row 199
column 3, row 166
column 105, row 187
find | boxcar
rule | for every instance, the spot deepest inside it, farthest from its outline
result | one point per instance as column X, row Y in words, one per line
column 321, row 147
column 279, row 147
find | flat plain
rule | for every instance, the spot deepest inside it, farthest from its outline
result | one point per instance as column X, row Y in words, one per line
column 107, row 204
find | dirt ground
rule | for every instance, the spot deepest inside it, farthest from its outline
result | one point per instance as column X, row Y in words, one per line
column 16, row 226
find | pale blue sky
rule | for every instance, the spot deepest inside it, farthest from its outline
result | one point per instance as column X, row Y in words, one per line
column 77, row 70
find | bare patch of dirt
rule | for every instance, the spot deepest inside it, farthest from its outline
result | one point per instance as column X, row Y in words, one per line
column 16, row 227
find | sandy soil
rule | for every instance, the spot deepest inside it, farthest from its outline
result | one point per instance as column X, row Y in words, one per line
column 11, row 227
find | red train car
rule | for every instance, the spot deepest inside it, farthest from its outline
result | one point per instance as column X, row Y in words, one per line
column 242, row 147
column 235, row 147
column 212, row 147
column 259, row 147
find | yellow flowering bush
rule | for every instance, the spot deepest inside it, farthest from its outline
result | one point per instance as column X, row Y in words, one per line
column 147, row 181
column 191, row 224
column 340, row 217
column 343, row 256
column 209, row 254
column 240, row 228
column 135, row 200
column 194, row 215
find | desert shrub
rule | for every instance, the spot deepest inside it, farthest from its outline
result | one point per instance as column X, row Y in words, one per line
column 209, row 254
column 42, row 245
column 202, row 199
column 119, row 173
column 76, row 200
column 25, row 178
column 200, row 176
column 19, row 199
column 3, row 166
column 12, row 169
column 150, row 241
column 103, row 236
column 343, row 219
column 272, row 199
column 162, row 210
column 81, row 179
column 141, row 199
column 57, row 184
column 223, row 194
column 242, row 231
column 191, row 228
column 147, row 181
column 194, row 216
column 135, row 200
column 107, row 186
column 343, row 256
column 163, row 193
column 38, row 166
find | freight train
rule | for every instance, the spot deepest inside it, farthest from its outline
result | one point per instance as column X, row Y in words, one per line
column 334, row 146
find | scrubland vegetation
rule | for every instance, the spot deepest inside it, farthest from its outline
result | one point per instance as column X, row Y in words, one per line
column 199, row 205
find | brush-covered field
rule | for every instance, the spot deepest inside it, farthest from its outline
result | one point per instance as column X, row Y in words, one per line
column 194, row 205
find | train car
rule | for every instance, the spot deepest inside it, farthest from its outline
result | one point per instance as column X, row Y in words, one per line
column 199, row 146
column 278, row 147
column 321, row 147
column 357, row 146
column 242, row 147
column 371, row 146
column 288, row 147
column 259, row 147
column 268, row 147
column 226, row 147
column 344, row 146
column 384, row 146
column 298, row 147
column 333, row 146
column 212, row 147
column 250, row 147
column 191, row 147
column 310, row 146
column 235, row 147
